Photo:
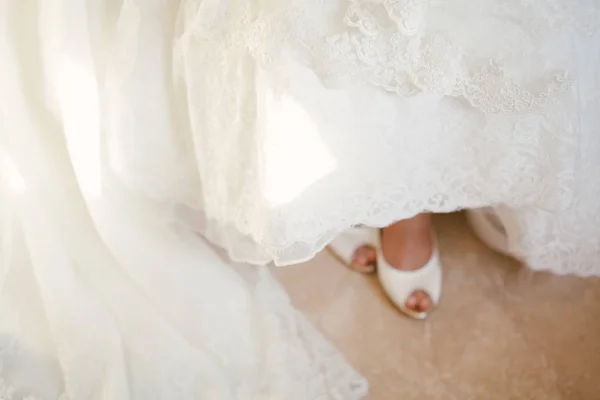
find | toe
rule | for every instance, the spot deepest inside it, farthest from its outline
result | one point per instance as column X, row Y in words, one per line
column 419, row 301
column 365, row 256
column 412, row 302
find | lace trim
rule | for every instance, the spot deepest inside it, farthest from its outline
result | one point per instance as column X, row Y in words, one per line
column 395, row 51
column 389, row 44
column 7, row 390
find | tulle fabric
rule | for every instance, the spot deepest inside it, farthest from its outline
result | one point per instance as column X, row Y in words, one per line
column 100, row 295
column 308, row 117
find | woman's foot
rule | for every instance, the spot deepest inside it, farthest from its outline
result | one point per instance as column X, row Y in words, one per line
column 406, row 246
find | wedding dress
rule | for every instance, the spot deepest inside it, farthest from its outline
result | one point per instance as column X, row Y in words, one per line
column 309, row 117
column 128, row 127
column 101, row 296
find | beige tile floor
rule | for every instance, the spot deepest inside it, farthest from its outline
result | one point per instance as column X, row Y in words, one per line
column 501, row 332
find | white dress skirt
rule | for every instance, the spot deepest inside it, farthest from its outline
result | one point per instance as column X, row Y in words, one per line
column 127, row 127
column 101, row 295
column 302, row 118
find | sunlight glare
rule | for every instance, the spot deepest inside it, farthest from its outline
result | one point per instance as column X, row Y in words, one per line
column 295, row 155
column 10, row 174
column 79, row 102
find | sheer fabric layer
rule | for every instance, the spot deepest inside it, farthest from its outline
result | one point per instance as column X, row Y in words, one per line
column 99, row 296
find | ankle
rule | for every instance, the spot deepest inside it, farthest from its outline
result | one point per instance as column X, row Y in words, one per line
column 407, row 245
column 408, row 257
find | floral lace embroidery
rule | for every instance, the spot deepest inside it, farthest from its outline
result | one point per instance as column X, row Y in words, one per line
column 387, row 43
